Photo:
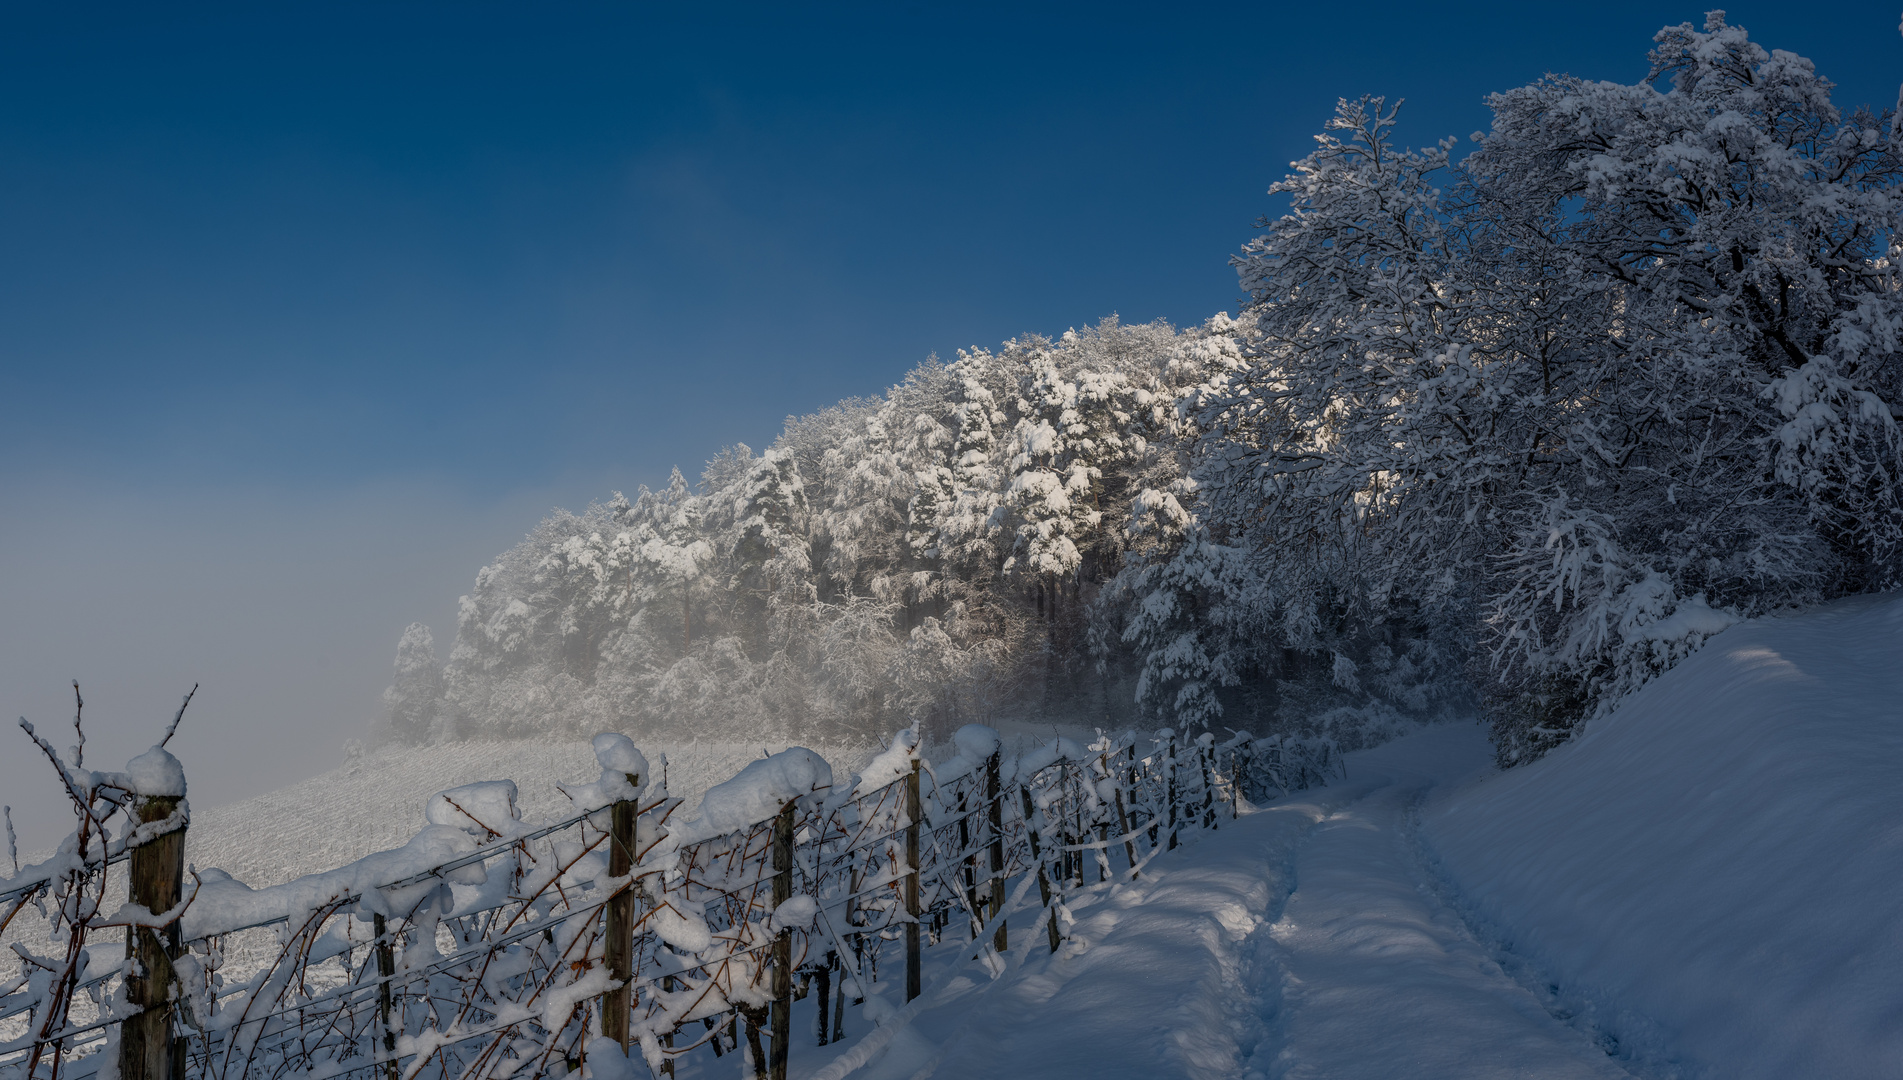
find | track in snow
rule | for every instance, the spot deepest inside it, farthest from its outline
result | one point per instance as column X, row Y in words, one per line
column 1366, row 973
column 1302, row 942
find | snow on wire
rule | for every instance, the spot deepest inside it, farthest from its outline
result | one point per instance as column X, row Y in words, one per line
column 479, row 948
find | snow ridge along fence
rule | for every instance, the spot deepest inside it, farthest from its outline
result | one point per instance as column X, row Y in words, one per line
column 491, row 947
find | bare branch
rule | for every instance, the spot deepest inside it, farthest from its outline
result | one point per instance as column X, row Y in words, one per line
column 79, row 709
column 181, row 715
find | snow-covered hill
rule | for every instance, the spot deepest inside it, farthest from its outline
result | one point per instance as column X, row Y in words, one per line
column 1713, row 875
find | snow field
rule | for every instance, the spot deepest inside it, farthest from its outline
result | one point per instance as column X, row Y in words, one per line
column 1707, row 883
column 1713, row 875
column 1303, row 941
column 378, row 802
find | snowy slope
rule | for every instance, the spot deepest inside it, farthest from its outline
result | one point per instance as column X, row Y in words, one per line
column 1713, row 875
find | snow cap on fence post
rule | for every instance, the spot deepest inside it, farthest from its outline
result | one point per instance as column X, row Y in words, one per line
column 890, row 765
column 156, row 774
column 977, row 741
column 1043, row 757
column 624, row 769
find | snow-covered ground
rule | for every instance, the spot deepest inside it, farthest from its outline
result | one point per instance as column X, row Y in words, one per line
column 1713, row 875
column 376, row 802
column 1303, row 941
column 1709, row 883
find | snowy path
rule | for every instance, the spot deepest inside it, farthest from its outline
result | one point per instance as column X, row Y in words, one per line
column 1377, row 977
column 1303, row 942
column 1154, row 985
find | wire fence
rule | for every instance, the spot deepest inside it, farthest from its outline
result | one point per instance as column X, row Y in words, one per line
column 489, row 948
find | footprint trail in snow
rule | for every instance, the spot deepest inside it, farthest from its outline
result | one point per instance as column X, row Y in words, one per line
column 1299, row 943
column 1377, row 978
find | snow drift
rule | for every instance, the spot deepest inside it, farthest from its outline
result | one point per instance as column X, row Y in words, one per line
column 1722, row 856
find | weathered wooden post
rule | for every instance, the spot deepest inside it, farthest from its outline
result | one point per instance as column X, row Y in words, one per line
column 1000, row 940
column 147, row 1050
column 1037, row 856
column 1206, row 760
column 1077, row 831
column 667, row 1040
column 1237, row 767
column 1169, row 767
column 386, row 970
column 1123, row 826
column 839, row 1004
column 968, row 863
column 782, row 944
column 617, row 1005
column 824, row 995
column 914, row 814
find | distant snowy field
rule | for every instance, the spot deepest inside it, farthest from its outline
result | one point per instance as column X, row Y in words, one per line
column 376, row 802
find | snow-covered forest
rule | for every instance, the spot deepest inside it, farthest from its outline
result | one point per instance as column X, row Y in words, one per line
column 1514, row 430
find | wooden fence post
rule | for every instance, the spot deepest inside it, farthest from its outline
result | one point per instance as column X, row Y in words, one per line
column 1123, row 826
column 1037, row 856
column 386, row 970
column 968, row 862
column 782, row 945
column 1169, row 766
column 617, row 1005
column 147, row 1050
column 1077, row 831
column 1000, row 940
column 1236, row 768
column 914, row 813
column 824, row 994
column 1206, row 757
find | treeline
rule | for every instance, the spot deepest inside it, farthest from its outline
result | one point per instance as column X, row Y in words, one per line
column 940, row 553
column 1513, row 433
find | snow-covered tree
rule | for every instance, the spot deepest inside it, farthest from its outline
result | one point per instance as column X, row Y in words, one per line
column 415, row 694
column 857, row 574
column 1625, row 373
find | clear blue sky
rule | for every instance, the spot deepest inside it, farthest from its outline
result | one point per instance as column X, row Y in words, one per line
column 336, row 299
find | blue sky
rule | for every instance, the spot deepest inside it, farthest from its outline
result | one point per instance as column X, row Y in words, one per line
column 307, row 309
